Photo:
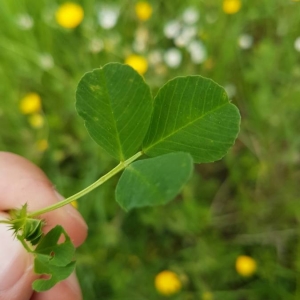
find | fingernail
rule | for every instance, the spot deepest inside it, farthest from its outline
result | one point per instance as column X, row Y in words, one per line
column 13, row 259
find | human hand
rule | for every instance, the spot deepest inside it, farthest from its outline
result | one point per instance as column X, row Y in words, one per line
column 22, row 182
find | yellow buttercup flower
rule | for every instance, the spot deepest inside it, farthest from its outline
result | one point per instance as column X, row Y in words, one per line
column 143, row 10
column 36, row 120
column 245, row 265
column 69, row 15
column 167, row 283
column 137, row 62
column 30, row 104
column 42, row 145
column 231, row 6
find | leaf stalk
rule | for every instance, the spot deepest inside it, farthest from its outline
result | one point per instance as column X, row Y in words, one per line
column 121, row 166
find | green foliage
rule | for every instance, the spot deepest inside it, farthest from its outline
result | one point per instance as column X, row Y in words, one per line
column 53, row 259
column 247, row 203
column 116, row 105
column 24, row 228
column 192, row 114
column 153, row 181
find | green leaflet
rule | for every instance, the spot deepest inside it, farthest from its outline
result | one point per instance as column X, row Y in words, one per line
column 53, row 259
column 192, row 114
column 153, row 181
column 116, row 105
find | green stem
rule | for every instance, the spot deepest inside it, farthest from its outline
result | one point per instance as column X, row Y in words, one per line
column 121, row 166
column 25, row 245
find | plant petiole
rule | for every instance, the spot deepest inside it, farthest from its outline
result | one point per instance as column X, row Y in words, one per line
column 121, row 166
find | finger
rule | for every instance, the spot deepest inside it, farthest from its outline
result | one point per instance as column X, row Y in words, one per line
column 66, row 290
column 16, row 267
column 22, row 182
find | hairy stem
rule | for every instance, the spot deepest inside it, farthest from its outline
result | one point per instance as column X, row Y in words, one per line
column 121, row 166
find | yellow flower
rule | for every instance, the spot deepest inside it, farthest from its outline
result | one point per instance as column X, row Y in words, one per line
column 139, row 63
column 36, row 120
column 231, row 6
column 69, row 15
column 167, row 283
column 42, row 145
column 245, row 265
column 143, row 10
column 30, row 104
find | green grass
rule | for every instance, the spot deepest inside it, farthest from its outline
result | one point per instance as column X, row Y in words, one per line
column 248, row 203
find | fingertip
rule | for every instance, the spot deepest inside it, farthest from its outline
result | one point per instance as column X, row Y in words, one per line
column 16, row 272
column 23, row 182
column 20, row 182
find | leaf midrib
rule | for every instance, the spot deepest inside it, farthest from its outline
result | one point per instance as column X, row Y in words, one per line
column 121, row 155
column 188, row 124
column 153, row 188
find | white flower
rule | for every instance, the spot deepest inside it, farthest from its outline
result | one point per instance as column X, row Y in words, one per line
column 46, row 61
column 197, row 51
column 108, row 16
column 186, row 36
column 297, row 44
column 25, row 21
column 173, row 57
column 190, row 15
column 172, row 29
column 245, row 41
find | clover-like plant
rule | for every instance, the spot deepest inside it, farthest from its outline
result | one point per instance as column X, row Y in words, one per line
column 190, row 120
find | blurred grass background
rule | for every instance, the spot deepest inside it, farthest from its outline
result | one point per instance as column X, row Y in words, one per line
column 246, row 204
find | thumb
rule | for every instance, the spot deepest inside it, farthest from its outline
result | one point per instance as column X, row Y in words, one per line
column 16, row 266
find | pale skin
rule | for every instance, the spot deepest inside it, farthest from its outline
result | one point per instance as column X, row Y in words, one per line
column 23, row 182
